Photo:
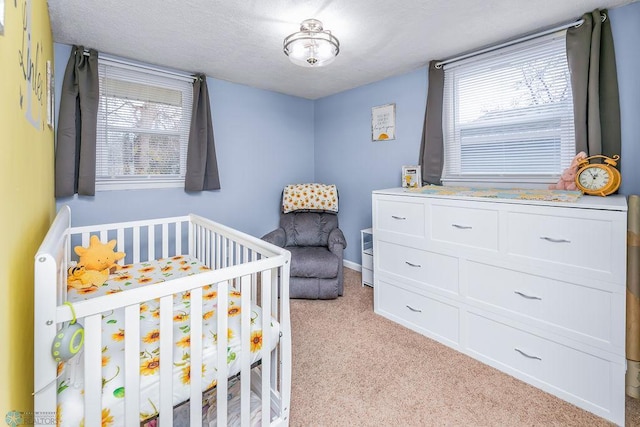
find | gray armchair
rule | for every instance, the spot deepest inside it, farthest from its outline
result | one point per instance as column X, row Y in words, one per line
column 316, row 245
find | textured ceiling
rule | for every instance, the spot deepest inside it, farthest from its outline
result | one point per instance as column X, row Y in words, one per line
column 241, row 40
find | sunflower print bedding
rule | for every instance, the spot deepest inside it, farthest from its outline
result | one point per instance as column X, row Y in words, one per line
column 70, row 408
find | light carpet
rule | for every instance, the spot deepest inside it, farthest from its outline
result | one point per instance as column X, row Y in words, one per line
column 352, row 367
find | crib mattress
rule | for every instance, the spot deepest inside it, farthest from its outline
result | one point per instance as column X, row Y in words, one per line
column 71, row 385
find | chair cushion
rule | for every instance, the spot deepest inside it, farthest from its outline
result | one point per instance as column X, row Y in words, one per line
column 310, row 198
column 308, row 228
column 313, row 261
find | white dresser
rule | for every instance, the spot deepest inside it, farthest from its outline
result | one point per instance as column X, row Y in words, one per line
column 535, row 289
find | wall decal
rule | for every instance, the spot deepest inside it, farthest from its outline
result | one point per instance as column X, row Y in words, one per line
column 50, row 95
column 30, row 57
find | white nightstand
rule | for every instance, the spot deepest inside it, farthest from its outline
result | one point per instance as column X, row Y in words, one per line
column 366, row 243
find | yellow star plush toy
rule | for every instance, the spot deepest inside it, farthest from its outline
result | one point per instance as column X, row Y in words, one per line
column 98, row 256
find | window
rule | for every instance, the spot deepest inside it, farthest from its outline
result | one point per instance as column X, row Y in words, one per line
column 508, row 115
column 143, row 128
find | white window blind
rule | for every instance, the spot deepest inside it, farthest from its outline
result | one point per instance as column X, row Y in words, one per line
column 508, row 115
column 143, row 128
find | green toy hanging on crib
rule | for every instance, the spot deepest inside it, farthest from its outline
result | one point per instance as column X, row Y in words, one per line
column 69, row 339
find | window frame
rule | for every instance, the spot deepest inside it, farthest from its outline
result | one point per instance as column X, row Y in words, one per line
column 454, row 174
column 141, row 75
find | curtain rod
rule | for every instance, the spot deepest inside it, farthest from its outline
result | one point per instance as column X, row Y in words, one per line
column 512, row 42
column 133, row 65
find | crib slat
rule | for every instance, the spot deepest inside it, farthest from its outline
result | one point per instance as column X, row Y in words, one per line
column 218, row 246
column 275, row 313
column 196, row 357
column 203, row 243
column 191, row 238
column 166, row 358
column 254, row 280
column 200, row 252
column 245, row 336
column 93, row 370
column 165, row 240
column 223, row 320
column 245, row 254
column 195, row 249
column 132, row 365
column 207, row 244
column 120, row 244
column 285, row 338
column 178, row 238
column 225, row 252
column 235, row 253
column 136, row 245
column 151, row 230
column 266, row 347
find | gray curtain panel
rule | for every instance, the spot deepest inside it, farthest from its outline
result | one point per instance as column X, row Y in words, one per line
column 432, row 145
column 202, row 165
column 75, row 170
column 594, row 81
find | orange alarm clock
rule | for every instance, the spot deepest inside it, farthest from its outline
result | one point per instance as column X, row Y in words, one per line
column 598, row 179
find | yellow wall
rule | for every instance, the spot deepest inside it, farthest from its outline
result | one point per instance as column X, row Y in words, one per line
column 27, row 203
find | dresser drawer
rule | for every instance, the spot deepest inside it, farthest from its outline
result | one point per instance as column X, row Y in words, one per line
column 428, row 316
column 548, row 364
column 428, row 269
column 402, row 217
column 474, row 227
column 573, row 241
column 580, row 312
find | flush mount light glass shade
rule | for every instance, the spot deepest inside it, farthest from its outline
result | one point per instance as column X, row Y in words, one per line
column 311, row 46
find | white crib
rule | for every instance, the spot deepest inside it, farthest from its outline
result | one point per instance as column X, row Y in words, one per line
column 255, row 271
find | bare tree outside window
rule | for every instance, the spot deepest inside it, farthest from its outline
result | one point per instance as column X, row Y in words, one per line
column 510, row 115
column 142, row 130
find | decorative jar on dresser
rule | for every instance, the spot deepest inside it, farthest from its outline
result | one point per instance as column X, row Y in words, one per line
column 535, row 289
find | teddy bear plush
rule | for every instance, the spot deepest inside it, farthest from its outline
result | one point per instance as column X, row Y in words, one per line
column 98, row 256
column 568, row 178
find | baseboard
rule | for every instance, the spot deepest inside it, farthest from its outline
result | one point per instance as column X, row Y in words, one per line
column 352, row 265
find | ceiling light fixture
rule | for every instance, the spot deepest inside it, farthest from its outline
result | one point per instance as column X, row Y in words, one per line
column 311, row 46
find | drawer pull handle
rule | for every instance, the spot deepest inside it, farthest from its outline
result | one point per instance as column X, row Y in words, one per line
column 552, row 240
column 526, row 355
column 527, row 296
column 412, row 265
column 415, row 310
column 401, row 218
column 462, row 227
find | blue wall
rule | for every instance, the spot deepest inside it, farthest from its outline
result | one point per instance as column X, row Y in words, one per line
column 625, row 25
column 346, row 156
column 266, row 140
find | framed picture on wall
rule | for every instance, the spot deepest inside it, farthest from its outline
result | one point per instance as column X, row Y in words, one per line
column 383, row 122
column 411, row 177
